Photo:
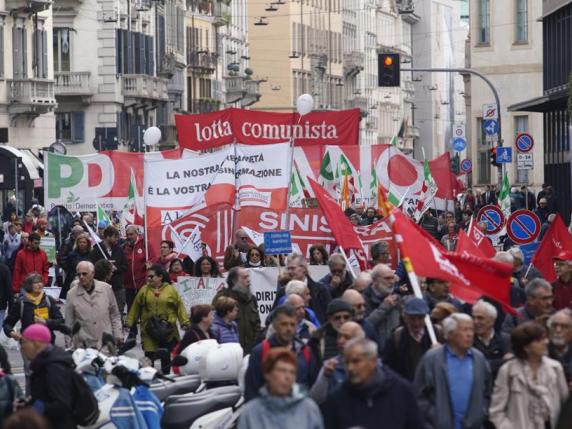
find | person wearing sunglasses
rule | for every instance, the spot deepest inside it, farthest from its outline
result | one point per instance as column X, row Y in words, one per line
column 92, row 304
column 324, row 340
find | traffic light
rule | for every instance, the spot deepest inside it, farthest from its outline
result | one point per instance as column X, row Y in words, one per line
column 493, row 157
column 388, row 66
column 455, row 164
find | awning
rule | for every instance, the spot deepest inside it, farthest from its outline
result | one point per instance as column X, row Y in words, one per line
column 28, row 159
column 546, row 103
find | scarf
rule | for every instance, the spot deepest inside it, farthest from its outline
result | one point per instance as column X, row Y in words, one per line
column 539, row 409
column 36, row 300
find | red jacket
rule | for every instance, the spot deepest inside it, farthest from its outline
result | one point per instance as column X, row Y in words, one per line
column 562, row 294
column 134, row 277
column 29, row 261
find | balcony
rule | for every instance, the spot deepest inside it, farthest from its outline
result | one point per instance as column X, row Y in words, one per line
column 202, row 62
column 204, row 105
column 353, row 63
column 357, row 103
column 235, row 88
column 253, row 93
column 143, row 86
column 29, row 6
column 31, row 96
column 73, row 84
column 221, row 13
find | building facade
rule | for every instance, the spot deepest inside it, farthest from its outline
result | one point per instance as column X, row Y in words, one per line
column 506, row 46
column 552, row 104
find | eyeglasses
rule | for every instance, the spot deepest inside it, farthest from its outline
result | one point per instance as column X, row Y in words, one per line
column 151, row 276
column 82, row 274
column 339, row 317
column 359, row 305
column 243, row 238
column 389, row 278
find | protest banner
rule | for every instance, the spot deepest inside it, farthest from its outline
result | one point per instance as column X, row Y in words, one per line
column 79, row 183
column 198, row 290
column 48, row 245
column 210, row 130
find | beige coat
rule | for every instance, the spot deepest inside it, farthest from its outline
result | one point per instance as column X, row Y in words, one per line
column 511, row 396
column 96, row 312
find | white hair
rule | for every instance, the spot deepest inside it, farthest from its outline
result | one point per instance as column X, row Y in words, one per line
column 90, row 267
column 451, row 322
column 565, row 311
column 516, row 253
column 505, row 257
column 368, row 347
column 295, row 287
column 364, row 276
column 488, row 307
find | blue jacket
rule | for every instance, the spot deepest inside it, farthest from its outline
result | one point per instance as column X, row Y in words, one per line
column 224, row 333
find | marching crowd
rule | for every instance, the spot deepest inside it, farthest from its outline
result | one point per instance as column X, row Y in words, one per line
column 336, row 352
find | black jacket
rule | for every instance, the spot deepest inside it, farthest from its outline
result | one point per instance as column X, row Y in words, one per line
column 55, row 317
column 193, row 335
column 320, row 297
column 119, row 259
column 398, row 354
column 5, row 286
column 336, row 292
column 388, row 403
column 51, row 383
column 494, row 352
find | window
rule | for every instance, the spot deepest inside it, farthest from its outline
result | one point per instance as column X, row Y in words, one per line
column 19, row 50
column 70, row 127
column 521, row 20
column 521, row 126
column 61, row 48
column 483, row 154
column 40, row 64
column 484, row 25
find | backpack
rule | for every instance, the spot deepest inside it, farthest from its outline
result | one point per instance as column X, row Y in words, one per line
column 85, row 407
column 266, row 348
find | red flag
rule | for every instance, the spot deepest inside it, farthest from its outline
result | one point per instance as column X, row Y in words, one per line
column 467, row 246
column 556, row 239
column 481, row 241
column 342, row 229
column 471, row 277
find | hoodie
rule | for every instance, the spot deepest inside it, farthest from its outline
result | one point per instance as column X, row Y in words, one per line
column 51, row 384
column 281, row 412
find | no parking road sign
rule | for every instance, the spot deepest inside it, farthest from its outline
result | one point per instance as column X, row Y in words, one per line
column 524, row 142
column 523, row 227
column 466, row 166
column 492, row 217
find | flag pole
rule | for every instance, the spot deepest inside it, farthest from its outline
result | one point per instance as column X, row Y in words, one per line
column 145, row 226
column 96, row 242
column 292, row 140
column 412, row 276
column 352, row 272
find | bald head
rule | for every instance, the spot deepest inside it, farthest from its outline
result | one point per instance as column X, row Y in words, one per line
column 347, row 332
column 297, row 303
column 357, row 301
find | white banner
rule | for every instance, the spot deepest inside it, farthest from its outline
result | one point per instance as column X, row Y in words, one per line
column 198, row 290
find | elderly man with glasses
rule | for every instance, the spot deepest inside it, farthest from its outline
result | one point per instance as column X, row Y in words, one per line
column 324, row 340
column 560, row 347
column 92, row 303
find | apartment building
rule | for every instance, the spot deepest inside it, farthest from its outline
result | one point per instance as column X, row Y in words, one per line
column 119, row 68
column 506, row 46
column 296, row 48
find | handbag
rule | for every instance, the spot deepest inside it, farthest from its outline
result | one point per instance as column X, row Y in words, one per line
column 159, row 329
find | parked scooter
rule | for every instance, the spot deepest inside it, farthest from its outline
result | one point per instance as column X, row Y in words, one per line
column 216, row 404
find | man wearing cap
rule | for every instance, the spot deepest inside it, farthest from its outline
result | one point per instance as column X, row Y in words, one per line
column 324, row 340
column 409, row 342
column 52, row 391
column 563, row 285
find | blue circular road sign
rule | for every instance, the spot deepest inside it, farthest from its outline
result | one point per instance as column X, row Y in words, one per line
column 492, row 217
column 524, row 142
column 523, row 226
column 459, row 144
column 466, row 166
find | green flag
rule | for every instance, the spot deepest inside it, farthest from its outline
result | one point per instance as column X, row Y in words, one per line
column 101, row 215
column 504, row 196
column 326, row 171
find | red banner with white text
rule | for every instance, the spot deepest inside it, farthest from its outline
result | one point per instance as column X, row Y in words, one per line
column 210, row 130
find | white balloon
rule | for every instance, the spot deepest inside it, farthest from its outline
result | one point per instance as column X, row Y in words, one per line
column 304, row 104
column 152, row 136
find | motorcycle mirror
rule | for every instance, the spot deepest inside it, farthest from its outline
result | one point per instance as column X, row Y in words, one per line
column 180, row 360
column 128, row 345
column 107, row 338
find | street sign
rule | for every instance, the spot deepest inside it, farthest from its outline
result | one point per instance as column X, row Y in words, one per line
column 459, row 130
column 524, row 142
column 466, row 166
column 277, row 243
column 523, row 227
column 524, row 161
column 490, row 111
column 491, row 127
column 504, row 155
column 459, row 144
column 493, row 218
column 528, row 251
